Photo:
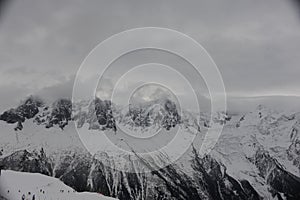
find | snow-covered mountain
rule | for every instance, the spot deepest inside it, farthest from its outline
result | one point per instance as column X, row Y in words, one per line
column 256, row 157
column 33, row 186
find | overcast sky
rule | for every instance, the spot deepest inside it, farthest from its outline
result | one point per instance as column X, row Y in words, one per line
column 255, row 44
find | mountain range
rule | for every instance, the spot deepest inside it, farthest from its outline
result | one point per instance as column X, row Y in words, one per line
column 256, row 157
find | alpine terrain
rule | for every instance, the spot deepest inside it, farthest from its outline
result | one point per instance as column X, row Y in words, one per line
column 256, row 157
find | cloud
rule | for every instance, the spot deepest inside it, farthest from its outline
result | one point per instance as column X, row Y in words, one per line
column 254, row 43
column 11, row 95
column 62, row 89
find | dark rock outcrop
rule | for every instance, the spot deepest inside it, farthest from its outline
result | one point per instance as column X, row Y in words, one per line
column 61, row 113
column 26, row 110
column 84, row 173
column 276, row 176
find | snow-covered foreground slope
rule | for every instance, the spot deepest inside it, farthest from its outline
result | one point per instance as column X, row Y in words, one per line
column 15, row 185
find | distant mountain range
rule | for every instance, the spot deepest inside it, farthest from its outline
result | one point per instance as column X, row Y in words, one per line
column 256, row 157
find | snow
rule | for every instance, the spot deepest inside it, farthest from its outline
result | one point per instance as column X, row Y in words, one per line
column 265, row 128
column 261, row 129
column 13, row 185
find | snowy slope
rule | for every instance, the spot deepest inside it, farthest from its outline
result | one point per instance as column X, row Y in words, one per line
column 254, row 145
column 13, row 185
column 264, row 129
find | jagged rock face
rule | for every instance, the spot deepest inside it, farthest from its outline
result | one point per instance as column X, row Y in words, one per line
column 213, row 178
column 12, row 116
column 28, row 162
column 61, row 113
column 163, row 113
column 280, row 180
column 98, row 116
column 104, row 113
column 26, row 110
column 172, row 118
column 293, row 152
column 84, row 173
column 209, row 179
